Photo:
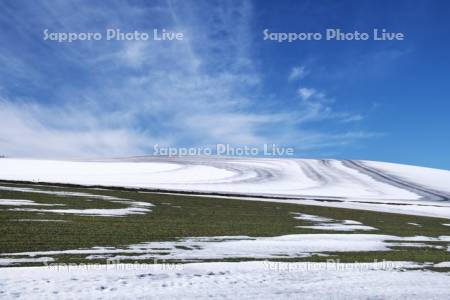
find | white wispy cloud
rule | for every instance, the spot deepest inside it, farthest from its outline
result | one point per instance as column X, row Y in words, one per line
column 297, row 73
column 306, row 93
column 316, row 106
column 28, row 131
column 202, row 90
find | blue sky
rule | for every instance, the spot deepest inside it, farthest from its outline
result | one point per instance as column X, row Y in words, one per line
column 376, row 100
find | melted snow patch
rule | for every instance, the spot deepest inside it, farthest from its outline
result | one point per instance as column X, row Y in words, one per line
column 311, row 218
column 40, row 220
column 135, row 207
column 417, row 245
column 220, row 247
column 59, row 193
column 338, row 227
column 101, row 212
column 323, row 223
column 16, row 261
column 21, row 202
column 444, row 264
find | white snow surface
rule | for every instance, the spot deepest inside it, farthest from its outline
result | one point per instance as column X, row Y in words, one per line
column 433, row 178
column 361, row 184
column 225, row 280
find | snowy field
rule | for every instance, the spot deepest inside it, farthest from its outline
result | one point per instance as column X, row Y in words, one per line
column 243, row 280
column 272, row 229
column 352, row 184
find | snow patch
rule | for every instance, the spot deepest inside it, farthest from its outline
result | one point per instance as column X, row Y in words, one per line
column 21, row 202
column 135, row 207
column 444, row 264
column 100, row 212
column 339, row 227
column 331, row 224
column 15, row 261
column 41, row 220
column 221, row 247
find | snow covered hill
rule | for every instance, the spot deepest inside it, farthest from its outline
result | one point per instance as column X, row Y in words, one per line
column 353, row 184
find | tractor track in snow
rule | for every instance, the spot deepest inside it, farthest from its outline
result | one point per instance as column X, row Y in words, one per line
column 424, row 192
